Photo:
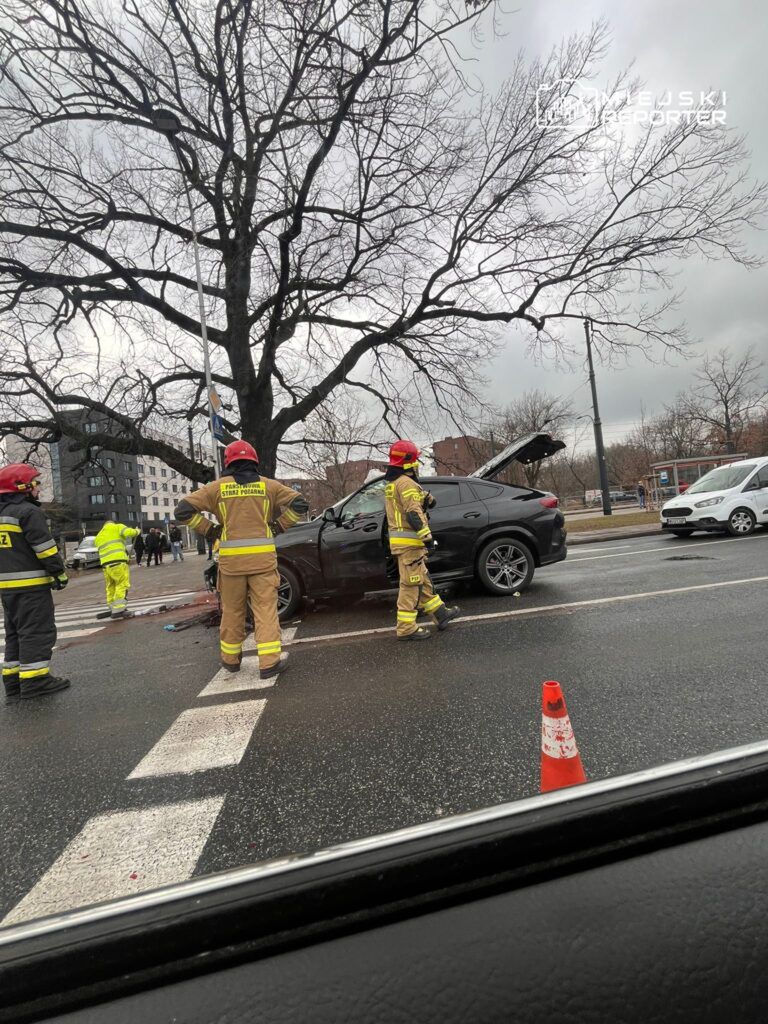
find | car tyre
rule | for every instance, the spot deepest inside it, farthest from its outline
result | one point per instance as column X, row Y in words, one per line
column 505, row 565
column 741, row 522
column 289, row 593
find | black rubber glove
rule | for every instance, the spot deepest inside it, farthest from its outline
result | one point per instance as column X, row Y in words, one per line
column 428, row 501
column 214, row 533
column 59, row 582
column 276, row 528
column 430, row 544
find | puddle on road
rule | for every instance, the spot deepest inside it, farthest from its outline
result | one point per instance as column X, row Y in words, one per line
column 689, row 558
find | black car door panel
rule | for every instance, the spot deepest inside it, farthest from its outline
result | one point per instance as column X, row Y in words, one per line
column 455, row 522
column 352, row 548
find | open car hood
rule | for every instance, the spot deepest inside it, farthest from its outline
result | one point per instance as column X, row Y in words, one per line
column 531, row 448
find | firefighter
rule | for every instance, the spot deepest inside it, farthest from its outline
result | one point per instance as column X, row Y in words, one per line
column 30, row 567
column 251, row 510
column 111, row 543
column 410, row 538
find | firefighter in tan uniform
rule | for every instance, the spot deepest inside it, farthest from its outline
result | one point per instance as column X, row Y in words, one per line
column 250, row 510
column 409, row 540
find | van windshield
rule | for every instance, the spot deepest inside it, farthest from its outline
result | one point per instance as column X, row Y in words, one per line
column 722, row 478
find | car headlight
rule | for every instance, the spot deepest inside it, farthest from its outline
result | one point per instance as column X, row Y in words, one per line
column 708, row 502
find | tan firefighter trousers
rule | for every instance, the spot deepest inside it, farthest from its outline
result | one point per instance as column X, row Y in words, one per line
column 416, row 591
column 261, row 590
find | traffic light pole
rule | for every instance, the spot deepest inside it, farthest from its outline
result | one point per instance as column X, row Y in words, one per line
column 597, row 424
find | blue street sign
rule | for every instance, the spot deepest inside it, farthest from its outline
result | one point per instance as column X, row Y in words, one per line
column 218, row 428
column 664, row 477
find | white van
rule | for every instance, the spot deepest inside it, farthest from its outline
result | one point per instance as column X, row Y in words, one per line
column 731, row 498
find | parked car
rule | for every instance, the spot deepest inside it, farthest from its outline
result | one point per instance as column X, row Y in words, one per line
column 86, row 554
column 485, row 529
column 731, row 498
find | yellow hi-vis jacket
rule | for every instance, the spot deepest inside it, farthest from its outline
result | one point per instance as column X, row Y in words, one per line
column 406, row 518
column 111, row 540
column 245, row 511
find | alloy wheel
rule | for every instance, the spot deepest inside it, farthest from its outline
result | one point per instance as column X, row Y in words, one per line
column 506, row 566
column 284, row 594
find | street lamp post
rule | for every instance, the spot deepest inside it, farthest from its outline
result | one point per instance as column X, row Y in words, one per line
column 598, row 426
column 168, row 123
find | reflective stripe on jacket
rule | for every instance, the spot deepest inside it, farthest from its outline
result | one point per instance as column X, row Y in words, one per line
column 111, row 540
column 29, row 557
column 403, row 499
column 245, row 509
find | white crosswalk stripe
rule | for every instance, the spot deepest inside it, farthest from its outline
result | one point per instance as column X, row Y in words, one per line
column 73, row 622
column 122, row 853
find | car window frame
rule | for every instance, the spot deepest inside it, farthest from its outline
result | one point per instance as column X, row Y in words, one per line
column 366, row 487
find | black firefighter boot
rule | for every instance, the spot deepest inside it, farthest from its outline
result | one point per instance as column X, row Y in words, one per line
column 12, row 687
column 273, row 670
column 42, row 686
column 445, row 615
column 418, row 634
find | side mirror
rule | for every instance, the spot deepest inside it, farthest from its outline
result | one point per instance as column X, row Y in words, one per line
column 329, row 516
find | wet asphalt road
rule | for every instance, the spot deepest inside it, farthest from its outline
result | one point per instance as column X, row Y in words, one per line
column 364, row 735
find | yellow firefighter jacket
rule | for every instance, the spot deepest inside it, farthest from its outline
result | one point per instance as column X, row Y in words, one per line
column 406, row 518
column 245, row 511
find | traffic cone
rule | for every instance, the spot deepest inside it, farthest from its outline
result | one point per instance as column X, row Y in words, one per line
column 560, row 762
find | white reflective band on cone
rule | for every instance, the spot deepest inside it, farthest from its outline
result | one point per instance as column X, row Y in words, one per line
column 557, row 739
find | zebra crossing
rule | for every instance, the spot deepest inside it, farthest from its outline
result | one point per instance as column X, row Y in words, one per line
column 80, row 620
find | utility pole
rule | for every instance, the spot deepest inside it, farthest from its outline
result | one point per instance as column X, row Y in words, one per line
column 597, row 424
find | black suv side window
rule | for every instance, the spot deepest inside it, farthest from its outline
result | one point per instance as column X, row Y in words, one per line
column 445, row 494
column 483, row 489
column 368, row 501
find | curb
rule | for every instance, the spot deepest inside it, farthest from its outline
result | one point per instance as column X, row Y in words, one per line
column 602, row 536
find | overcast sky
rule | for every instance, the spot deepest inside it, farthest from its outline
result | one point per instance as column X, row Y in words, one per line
column 676, row 45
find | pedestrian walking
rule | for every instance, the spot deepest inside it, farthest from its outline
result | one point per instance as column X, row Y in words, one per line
column 153, row 547
column 175, row 537
column 162, row 544
column 138, row 549
column 111, row 541
column 251, row 510
column 30, row 567
column 410, row 538
column 641, row 494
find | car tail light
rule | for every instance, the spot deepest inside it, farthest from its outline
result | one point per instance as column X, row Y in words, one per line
column 550, row 502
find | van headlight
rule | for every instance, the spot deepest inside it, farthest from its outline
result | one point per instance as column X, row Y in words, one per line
column 708, row 502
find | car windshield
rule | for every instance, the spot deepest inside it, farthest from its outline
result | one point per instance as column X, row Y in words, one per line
column 413, row 257
column 722, row 478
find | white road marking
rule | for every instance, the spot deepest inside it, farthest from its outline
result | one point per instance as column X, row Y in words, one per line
column 161, row 598
column 647, row 551
column 121, row 854
column 248, row 677
column 62, row 637
column 201, row 739
column 540, row 609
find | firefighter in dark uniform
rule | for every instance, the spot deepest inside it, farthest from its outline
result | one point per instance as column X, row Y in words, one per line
column 30, row 566
column 251, row 509
column 410, row 538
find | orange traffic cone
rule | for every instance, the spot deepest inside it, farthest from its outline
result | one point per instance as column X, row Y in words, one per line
column 560, row 762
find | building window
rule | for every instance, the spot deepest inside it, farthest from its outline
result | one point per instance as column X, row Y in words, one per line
column 95, row 481
column 154, row 485
column 109, row 463
column 113, row 499
column 127, row 466
column 152, row 471
column 166, row 502
column 91, row 428
column 142, row 484
column 131, row 517
column 174, row 488
column 95, row 499
column 113, row 516
column 155, row 501
column 163, row 472
column 129, row 499
column 129, row 481
column 140, row 467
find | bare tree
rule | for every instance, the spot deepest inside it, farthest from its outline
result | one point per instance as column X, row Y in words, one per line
column 338, row 433
column 367, row 216
column 532, row 412
column 672, row 434
column 728, row 392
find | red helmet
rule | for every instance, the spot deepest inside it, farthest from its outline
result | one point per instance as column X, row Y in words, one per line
column 404, row 454
column 17, row 477
column 240, row 450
